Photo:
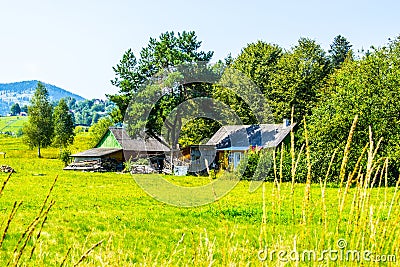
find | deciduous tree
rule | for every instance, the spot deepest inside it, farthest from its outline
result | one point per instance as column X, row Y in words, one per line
column 369, row 88
column 63, row 125
column 15, row 109
column 168, row 50
column 39, row 129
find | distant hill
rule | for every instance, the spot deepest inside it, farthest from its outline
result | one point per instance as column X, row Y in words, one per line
column 22, row 92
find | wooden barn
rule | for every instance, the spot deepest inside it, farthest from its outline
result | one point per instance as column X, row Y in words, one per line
column 118, row 146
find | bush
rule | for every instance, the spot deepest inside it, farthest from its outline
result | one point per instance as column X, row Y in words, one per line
column 256, row 164
column 65, row 156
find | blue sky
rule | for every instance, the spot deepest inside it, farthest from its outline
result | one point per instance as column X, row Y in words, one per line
column 74, row 44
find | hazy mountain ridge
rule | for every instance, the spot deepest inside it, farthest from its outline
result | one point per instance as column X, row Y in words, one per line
column 22, row 92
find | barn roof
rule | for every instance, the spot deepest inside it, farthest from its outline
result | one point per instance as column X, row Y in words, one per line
column 137, row 144
column 261, row 135
column 96, row 152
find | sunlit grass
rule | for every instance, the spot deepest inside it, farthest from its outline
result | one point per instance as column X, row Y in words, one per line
column 12, row 124
column 138, row 230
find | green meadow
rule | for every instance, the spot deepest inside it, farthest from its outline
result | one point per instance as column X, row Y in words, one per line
column 106, row 219
column 12, row 124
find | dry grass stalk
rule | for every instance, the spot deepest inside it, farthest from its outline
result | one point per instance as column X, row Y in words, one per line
column 351, row 179
column 323, row 199
column 282, row 152
column 342, row 197
column 28, row 235
column 307, row 190
column 48, row 195
column 65, row 257
column 274, row 190
column 346, row 153
column 393, row 198
column 10, row 218
column 293, row 183
column 293, row 167
column 171, row 257
column 86, row 254
column 263, row 230
column 5, row 183
column 38, row 236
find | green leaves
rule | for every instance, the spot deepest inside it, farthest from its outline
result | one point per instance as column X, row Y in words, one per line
column 369, row 87
column 40, row 127
column 286, row 78
column 63, row 125
column 340, row 50
column 166, row 51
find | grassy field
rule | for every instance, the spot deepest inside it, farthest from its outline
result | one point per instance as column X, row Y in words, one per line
column 12, row 124
column 105, row 219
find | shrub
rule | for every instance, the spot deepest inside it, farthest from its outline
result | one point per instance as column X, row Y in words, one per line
column 65, row 156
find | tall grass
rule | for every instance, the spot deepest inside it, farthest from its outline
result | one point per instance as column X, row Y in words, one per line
column 361, row 214
column 362, row 221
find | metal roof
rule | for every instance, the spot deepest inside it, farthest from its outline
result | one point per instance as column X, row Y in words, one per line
column 261, row 135
column 232, row 148
column 137, row 144
column 96, row 152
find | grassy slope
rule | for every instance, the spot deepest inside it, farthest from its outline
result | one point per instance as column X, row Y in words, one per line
column 138, row 229
column 12, row 124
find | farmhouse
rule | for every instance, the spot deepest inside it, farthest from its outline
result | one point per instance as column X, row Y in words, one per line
column 118, row 146
column 235, row 140
column 225, row 148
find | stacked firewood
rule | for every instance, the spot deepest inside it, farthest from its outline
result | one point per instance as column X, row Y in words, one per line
column 5, row 168
column 103, row 165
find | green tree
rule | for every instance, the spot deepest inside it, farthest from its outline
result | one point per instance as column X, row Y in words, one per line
column 369, row 88
column 24, row 108
column 15, row 109
column 300, row 74
column 95, row 118
column 258, row 61
column 63, row 125
column 168, row 50
column 340, row 50
column 98, row 129
column 39, row 129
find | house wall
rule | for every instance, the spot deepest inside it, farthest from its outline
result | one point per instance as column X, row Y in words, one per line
column 225, row 158
column 198, row 156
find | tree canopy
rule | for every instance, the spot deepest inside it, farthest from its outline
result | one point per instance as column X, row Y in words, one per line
column 40, row 127
column 15, row 109
column 131, row 74
column 63, row 125
column 327, row 89
column 339, row 51
column 369, row 88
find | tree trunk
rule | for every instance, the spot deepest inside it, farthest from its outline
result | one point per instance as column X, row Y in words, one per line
column 38, row 152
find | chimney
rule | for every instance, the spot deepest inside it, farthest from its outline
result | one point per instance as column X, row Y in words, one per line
column 286, row 123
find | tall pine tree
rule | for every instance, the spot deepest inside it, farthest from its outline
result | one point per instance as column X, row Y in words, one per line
column 340, row 49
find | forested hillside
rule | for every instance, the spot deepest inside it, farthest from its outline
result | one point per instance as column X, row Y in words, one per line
column 22, row 92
